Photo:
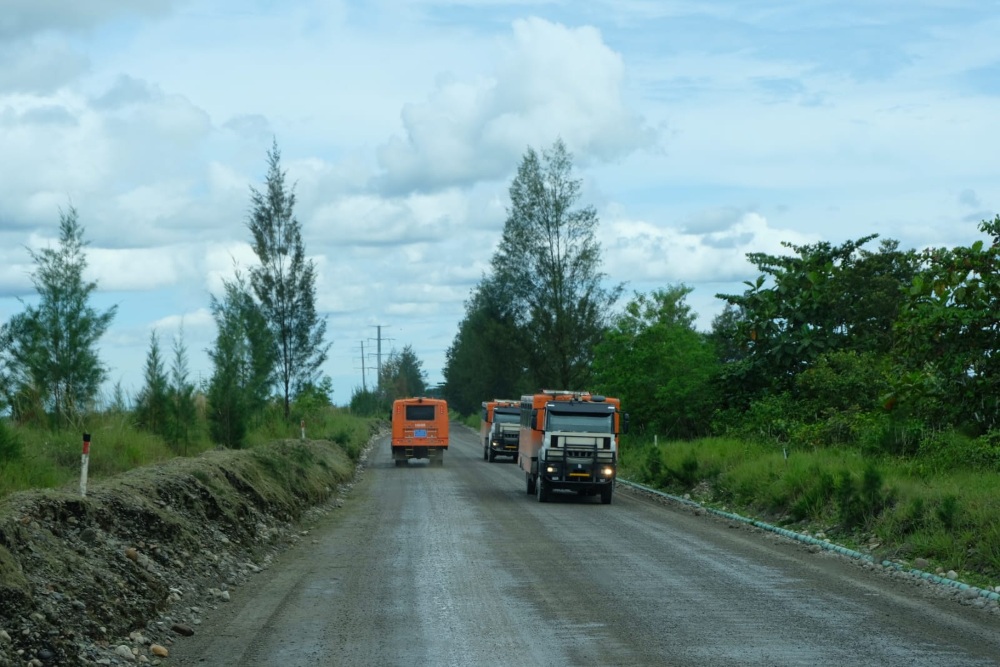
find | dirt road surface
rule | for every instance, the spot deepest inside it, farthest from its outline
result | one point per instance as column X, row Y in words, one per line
column 458, row 566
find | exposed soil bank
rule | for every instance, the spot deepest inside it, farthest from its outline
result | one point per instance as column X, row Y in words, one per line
column 114, row 577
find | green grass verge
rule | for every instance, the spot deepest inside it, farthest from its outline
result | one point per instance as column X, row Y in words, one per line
column 48, row 459
column 889, row 506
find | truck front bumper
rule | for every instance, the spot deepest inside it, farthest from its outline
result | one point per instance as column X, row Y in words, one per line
column 560, row 475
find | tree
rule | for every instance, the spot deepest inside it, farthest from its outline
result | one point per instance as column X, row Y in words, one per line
column 244, row 359
column 947, row 350
column 284, row 283
column 486, row 357
column 402, row 375
column 822, row 299
column 50, row 348
column 182, row 411
column 152, row 403
column 658, row 365
column 548, row 263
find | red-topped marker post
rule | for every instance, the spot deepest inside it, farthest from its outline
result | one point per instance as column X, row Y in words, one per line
column 84, row 463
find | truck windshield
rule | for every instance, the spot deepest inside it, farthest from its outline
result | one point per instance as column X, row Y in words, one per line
column 580, row 422
column 504, row 418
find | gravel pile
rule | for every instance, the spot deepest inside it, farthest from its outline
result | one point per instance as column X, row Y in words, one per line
column 116, row 577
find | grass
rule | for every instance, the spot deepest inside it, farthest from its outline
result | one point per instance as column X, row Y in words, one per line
column 946, row 517
column 51, row 459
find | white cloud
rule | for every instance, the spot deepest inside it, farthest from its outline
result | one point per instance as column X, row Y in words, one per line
column 642, row 252
column 553, row 82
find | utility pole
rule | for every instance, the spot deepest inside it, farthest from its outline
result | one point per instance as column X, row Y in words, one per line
column 378, row 355
column 364, row 384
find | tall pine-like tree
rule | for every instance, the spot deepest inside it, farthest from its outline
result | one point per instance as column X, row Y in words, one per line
column 284, row 283
column 50, row 349
column 151, row 406
column 182, row 411
column 548, row 261
column 243, row 360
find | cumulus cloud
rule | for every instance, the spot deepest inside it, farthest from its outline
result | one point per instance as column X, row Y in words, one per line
column 35, row 46
column 554, row 81
column 640, row 251
column 371, row 220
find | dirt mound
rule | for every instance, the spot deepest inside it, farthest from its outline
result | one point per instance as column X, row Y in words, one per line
column 113, row 577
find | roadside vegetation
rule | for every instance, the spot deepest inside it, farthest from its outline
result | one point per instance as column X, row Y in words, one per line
column 894, row 508
column 265, row 380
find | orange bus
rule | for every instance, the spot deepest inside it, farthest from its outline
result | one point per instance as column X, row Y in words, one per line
column 419, row 429
column 498, row 428
column 569, row 440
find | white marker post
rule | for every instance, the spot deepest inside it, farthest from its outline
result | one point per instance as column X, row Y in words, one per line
column 302, row 427
column 84, row 463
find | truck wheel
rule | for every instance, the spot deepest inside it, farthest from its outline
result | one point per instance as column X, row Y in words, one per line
column 530, row 481
column 542, row 490
column 492, row 456
column 486, row 448
column 399, row 463
column 606, row 494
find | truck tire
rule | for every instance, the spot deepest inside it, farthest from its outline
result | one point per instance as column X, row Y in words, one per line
column 542, row 490
column 399, row 463
column 491, row 456
column 607, row 493
column 530, row 482
column 486, row 449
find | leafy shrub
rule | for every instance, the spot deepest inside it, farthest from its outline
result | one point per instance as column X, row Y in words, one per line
column 814, row 499
column 947, row 512
column 948, row 449
column 769, row 419
column 11, row 447
column 858, row 504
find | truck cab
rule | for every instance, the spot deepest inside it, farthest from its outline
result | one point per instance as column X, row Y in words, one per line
column 499, row 428
column 569, row 440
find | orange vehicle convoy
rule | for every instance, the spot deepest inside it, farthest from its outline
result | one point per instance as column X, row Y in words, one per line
column 569, row 440
column 498, row 428
column 419, row 429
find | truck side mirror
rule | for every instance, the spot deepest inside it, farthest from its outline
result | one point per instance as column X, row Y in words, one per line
column 534, row 420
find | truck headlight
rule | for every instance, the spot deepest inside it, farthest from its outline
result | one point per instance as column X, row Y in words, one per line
column 608, row 471
column 550, row 469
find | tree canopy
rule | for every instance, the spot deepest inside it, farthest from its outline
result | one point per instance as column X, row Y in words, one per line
column 284, row 284
column 50, row 349
column 535, row 319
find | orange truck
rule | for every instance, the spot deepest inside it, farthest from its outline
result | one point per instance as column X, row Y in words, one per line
column 499, row 428
column 569, row 440
column 419, row 430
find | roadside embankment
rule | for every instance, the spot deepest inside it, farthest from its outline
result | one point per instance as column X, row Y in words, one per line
column 113, row 577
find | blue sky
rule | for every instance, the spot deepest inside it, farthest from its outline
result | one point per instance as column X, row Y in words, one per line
column 702, row 131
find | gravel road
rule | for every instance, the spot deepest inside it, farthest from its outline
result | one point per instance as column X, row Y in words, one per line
column 457, row 565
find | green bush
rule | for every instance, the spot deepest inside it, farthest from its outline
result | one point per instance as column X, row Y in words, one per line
column 859, row 504
column 949, row 449
column 11, row 447
column 947, row 512
column 815, row 497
